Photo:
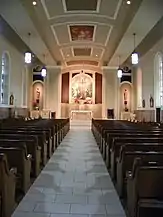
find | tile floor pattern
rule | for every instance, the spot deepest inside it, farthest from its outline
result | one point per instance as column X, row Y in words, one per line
column 74, row 183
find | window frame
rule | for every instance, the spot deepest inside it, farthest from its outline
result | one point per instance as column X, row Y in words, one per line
column 5, row 63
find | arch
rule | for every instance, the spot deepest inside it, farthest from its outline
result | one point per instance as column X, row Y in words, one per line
column 158, row 79
column 125, row 97
column 4, row 81
column 37, row 95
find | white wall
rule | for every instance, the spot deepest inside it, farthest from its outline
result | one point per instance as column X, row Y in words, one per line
column 53, row 91
column 147, row 65
column 109, row 91
column 16, row 68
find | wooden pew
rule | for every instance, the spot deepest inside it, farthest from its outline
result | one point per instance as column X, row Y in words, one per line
column 125, row 164
column 58, row 127
column 144, row 187
column 19, row 159
column 134, row 134
column 40, row 137
column 123, row 133
column 30, row 128
column 123, row 139
column 7, row 187
column 33, row 134
column 32, row 148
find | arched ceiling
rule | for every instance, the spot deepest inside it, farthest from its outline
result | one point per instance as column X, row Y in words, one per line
column 71, row 32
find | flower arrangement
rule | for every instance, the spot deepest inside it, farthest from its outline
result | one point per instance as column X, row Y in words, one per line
column 35, row 106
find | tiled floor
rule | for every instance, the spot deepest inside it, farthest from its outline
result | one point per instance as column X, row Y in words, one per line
column 74, row 183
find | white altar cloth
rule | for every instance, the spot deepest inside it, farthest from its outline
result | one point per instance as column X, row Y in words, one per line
column 81, row 114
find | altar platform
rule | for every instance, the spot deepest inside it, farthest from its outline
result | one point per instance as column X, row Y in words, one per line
column 81, row 115
column 81, row 112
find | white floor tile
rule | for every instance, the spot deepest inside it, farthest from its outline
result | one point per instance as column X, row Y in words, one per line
column 30, row 214
column 78, row 199
column 68, row 215
column 52, row 208
column 87, row 209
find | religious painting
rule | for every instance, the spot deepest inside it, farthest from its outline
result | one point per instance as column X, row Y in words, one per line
column 81, row 89
column 125, row 100
column 37, row 96
column 81, row 32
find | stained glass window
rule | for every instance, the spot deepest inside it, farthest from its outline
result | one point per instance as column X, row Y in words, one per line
column 4, row 82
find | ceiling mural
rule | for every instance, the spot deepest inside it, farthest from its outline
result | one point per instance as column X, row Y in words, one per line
column 82, row 32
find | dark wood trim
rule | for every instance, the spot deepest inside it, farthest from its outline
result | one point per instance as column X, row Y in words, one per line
column 65, row 88
column 98, row 88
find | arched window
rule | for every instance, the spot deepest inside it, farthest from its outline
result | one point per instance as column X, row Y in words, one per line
column 158, row 80
column 4, row 82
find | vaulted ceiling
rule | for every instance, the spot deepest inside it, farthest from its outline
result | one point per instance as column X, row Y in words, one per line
column 92, row 32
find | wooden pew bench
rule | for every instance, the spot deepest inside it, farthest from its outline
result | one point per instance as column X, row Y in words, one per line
column 125, row 164
column 47, row 132
column 144, row 187
column 126, row 138
column 7, row 187
column 40, row 137
column 107, row 144
column 19, row 159
column 32, row 148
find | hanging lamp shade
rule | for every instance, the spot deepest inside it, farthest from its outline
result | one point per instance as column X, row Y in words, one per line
column 44, row 69
column 119, row 73
column 134, row 58
column 28, row 57
column 28, row 54
column 43, row 72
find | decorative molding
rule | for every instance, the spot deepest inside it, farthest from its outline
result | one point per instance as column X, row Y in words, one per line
column 53, row 67
column 82, row 11
column 76, row 13
column 109, row 67
column 108, row 35
column 82, row 23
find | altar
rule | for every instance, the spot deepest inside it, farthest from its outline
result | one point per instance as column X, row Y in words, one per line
column 81, row 115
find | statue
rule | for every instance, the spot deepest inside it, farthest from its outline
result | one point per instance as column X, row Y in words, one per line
column 37, row 96
column 36, row 99
column 125, row 95
column 11, row 99
column 151, row 101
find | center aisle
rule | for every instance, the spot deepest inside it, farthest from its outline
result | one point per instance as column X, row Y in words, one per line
column 74, row 183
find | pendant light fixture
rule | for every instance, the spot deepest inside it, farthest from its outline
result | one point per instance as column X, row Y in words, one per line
column 119, row 72
column 28, row 54
column 44, row 70
column 134, row 56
